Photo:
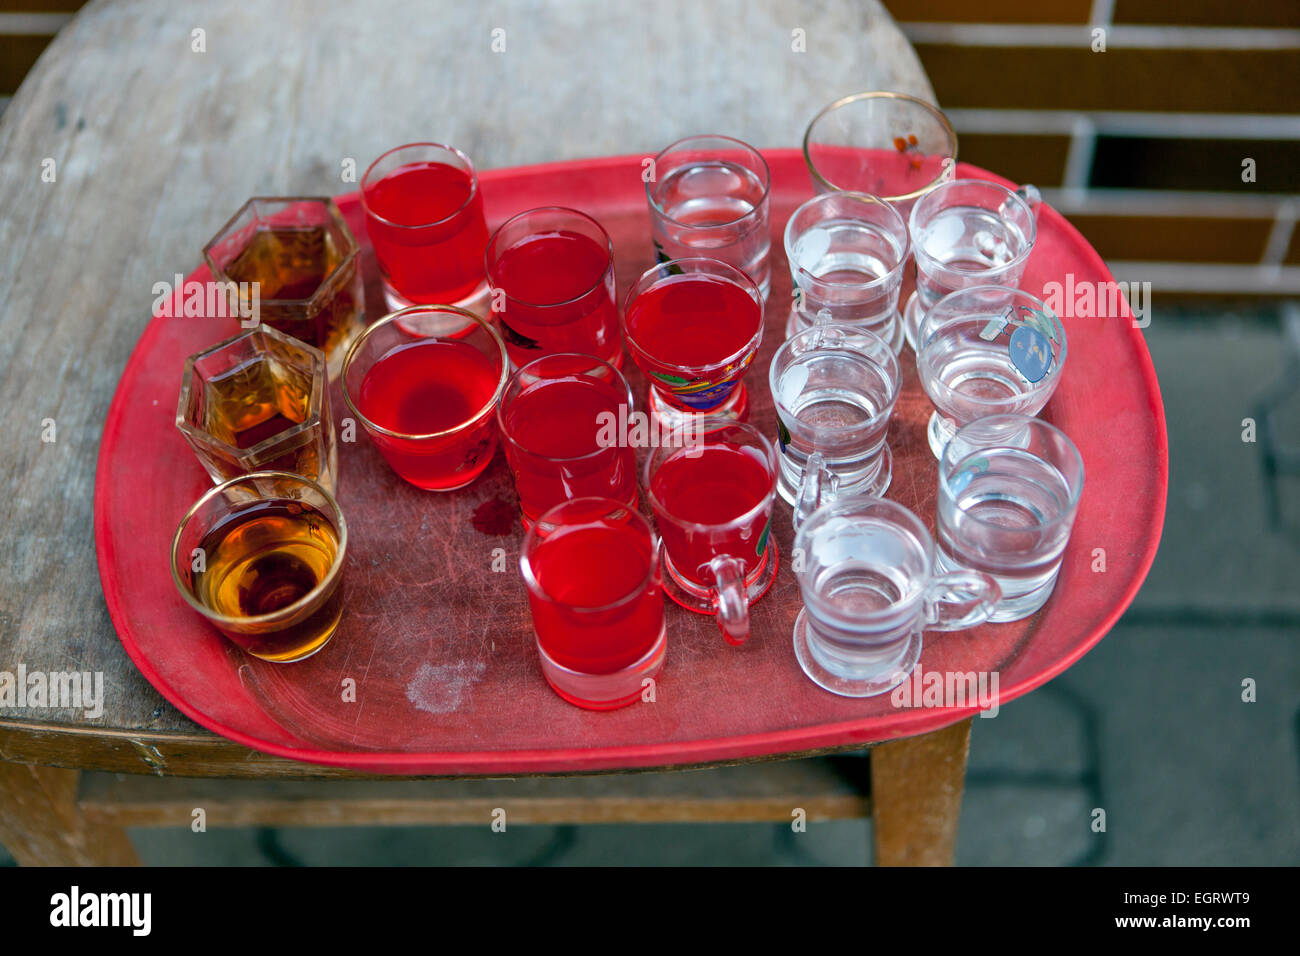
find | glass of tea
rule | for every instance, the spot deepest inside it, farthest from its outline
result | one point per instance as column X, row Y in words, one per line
column 1009, row 490
column 591, row 566
column 708, row 196
column 564, row 422
column 870, row 587
column 307, row 266
column 881, row 143
column 424, row 382
column 693, row 327
column 261, row 557
column 712, row 484
column 834, row 387
column 987, row 350
column 965, row 233
column 847, row 252
column 424, row 213
column 257, row 402
column 551, row 271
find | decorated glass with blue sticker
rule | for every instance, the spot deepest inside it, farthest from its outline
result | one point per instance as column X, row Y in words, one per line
column 1009, row 489
column 987, row 350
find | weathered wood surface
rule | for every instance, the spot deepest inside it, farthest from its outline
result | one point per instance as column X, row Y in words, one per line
column 154, row 145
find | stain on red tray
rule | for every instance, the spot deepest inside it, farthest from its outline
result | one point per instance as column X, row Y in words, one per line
column 494, row 516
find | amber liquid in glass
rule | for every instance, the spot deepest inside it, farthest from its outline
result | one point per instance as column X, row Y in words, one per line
column 260, row 560
column 257, row 400
column 291, row 264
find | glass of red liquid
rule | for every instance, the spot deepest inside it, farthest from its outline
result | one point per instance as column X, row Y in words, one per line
column 425, row 382
column 693, row 327
column 591, row 566
column 564, row 421
column 712, row 484
column 424, row 213
column 551, row 272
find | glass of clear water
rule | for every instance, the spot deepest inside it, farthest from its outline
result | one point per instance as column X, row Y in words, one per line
column 834, row 388
column 708, row 196
column 987, row 350
column 1009, row 490
column 965, row 233
column 846, row 253
column 866, row 568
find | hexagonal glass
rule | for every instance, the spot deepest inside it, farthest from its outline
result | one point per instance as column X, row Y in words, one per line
column 307, row 266
column 259, row 401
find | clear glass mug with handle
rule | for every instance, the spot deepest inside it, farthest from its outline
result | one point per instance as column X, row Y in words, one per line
column 834, row 388
column 870, row 583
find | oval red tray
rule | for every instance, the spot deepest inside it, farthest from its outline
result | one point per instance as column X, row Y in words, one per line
column 439, row 646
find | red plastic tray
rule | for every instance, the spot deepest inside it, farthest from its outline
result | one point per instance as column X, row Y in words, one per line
column 441, row 647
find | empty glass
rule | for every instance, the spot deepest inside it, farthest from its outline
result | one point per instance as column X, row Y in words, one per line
column 834, row 388
column 708, row 196
column 846, row 253
column 984, row 351
column 881, row 143
column 965, row 233
column 866, row 568
column 1009, row 489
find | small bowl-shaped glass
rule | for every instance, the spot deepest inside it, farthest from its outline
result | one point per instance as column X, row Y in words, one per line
column 307, row 266
column 987, row 350
column 881, row 143
column 424, row 382
column 259, row 401
column 261, row 557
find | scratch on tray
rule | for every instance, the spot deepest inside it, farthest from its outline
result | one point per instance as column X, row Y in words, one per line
column 439, row 689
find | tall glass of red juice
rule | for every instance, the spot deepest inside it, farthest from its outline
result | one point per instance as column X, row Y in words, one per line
column 693, row 327
column 424, row 383
column 424, row 213
column 591, row 566
column 562, row 421
column 551, row 272
column 712, row 484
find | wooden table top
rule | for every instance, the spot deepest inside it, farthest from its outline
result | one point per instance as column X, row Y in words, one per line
column 152, row 144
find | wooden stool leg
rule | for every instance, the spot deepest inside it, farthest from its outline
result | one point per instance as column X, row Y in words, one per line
column 41, row 824
column 916, row 786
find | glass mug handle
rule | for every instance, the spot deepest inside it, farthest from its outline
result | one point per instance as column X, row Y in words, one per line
column 1032, row 197
column 730, row 598
column 818, row 486
column 959, row 600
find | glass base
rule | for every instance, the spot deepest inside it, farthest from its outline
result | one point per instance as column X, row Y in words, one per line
column 848, row 686
column 695, row 597
column 875, row 483
column 605, row 691
column 479, row 301
column 939, row 432
column 666, row 416
column 890, row 330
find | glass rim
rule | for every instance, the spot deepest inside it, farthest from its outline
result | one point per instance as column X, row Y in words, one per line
column 289, row 610
column 757, row 208
column 896, row 379
column 900, row 515
column 1048, row 381
column 315, row 415
column 486, row 408
column 604, row 275
column 533, row 538
column 715, row 423
column 748, row 286
column 330, row 280
column 950, row 161
column 1031, row 236
column 894, row 274
column 620, row 378
column 473, row 186
column 1071, row 506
